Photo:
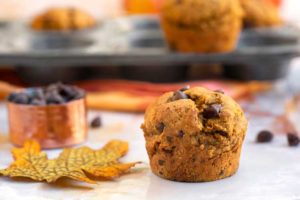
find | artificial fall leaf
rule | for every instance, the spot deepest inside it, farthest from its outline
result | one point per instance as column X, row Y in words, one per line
column 76, row 164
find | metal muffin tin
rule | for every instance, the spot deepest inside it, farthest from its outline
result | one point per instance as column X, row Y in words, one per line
column 138, row 42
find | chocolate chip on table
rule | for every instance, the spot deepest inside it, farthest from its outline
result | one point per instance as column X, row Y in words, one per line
column 160, row 127
column 212, row 111
column 184, row 88
column 264, row 136
column 179, row 95
column 161, row 162
column 293, row 139
column 96, row 122
column 180, row 134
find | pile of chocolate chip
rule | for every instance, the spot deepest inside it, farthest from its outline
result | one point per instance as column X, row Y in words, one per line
column 57, row 93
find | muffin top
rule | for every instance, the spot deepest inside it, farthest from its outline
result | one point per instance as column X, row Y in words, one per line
column 260, row 13
column 197, row 117
column 193, row 12
column 63, row 19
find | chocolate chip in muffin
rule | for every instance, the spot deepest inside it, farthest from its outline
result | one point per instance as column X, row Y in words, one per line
column 223, row 133
column 179, row 95
column 184, row 88
column 293, row 139
column 264, row 136
column 212, row 111
column 160, row 127
column 161, row 162
column 96, row 122
column 180, row 134
column 219, row 91
column 221, row 173
column 169, row 139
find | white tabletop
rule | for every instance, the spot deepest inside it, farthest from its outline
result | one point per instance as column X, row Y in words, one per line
column 267, row 171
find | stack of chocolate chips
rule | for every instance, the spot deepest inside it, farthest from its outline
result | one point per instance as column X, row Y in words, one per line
column 57, row 93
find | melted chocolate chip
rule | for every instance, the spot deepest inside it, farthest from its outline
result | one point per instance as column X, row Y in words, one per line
column 264, row 136
column 180, row 134
column 223, row 133
column 179, row 95
column 161, row 162
column 96, row 122
column 221, row 173
column 160, row 127
column 212, row 111
column 293, row 140
column 184, row 88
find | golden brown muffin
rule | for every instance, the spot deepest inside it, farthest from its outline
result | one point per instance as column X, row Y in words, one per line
column 260, row 13
column 63, row 19
column 202, row 25
column 194, row 135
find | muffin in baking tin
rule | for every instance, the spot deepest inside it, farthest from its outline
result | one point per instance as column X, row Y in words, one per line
column 201, row 25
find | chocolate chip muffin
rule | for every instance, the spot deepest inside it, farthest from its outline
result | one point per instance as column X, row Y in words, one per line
column 63, row 19
column 260, row 13
column 194, row 135
column 201, row 25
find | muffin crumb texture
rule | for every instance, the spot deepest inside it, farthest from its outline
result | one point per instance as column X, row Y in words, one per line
column 194, row 139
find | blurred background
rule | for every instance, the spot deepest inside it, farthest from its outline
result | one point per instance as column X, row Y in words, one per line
column 118, row 32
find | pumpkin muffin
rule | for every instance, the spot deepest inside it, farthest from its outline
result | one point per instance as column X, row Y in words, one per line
column 260, row 13
column 63, row 19
column 201, row 25
column 194, row 135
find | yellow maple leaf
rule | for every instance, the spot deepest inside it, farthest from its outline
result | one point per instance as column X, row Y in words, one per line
column 76, row 164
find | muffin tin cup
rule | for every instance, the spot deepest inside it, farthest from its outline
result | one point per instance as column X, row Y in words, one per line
column 51, row 40
column 53, row 126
